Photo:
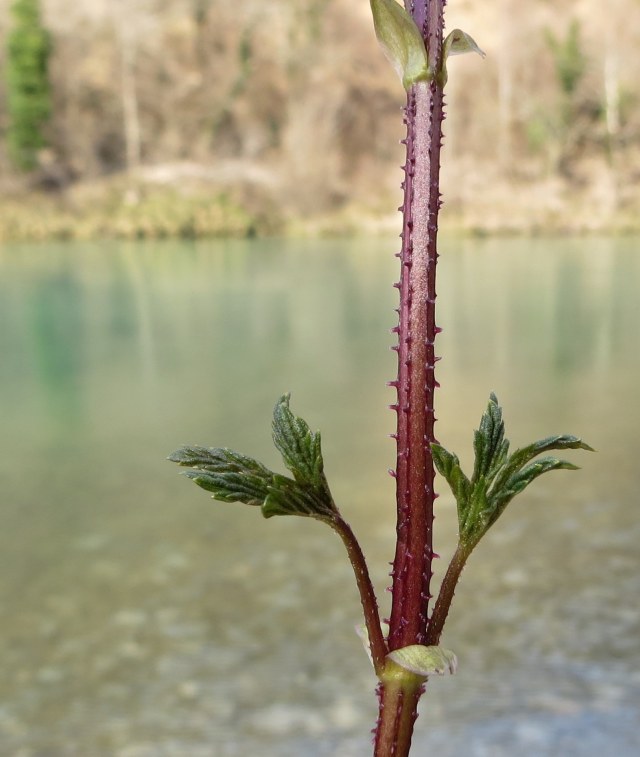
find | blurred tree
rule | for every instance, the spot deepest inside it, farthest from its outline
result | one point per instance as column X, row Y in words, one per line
column 569, row 58
column 129, row 92
column 28, row 95
column 506, row 84
column 579, row 110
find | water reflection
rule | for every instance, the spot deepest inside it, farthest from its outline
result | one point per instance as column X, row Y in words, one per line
column 140, row 619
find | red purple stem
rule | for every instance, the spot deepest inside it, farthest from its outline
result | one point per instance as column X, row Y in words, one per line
column 415, row 385
column 416, row 358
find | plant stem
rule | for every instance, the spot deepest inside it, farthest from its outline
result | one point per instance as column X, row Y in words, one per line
column 395, row 729
column 445, row 596
column 367, row 594
column 393, row 736
column 416, row 382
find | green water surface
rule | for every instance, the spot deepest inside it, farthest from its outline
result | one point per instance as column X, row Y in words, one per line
column 141, row 619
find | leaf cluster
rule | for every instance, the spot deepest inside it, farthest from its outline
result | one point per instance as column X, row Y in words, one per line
column 233, row 477
column 497, row 475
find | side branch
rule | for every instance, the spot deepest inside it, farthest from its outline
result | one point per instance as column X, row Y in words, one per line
column 367, row 593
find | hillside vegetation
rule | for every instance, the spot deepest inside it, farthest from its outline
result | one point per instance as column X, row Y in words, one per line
column 198, row 117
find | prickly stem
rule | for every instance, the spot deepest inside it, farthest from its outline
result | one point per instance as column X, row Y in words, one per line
column 416, row 383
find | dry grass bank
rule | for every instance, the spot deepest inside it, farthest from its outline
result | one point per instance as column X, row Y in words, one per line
column 188, row 201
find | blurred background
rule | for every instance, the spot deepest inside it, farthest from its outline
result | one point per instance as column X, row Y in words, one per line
column 197, row 214
column 165, row 117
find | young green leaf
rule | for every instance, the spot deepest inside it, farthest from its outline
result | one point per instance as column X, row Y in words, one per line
column 232, row 477
column 475, row 514
column 299, row 446
column 489, row 444
column 401, row 41
column 228, row 475
column 497, row 477
column 287, row 497
column 522, row 456
column 519, row 481
column 448, row 466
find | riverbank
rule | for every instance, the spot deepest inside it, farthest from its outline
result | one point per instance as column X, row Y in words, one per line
column 119, row 208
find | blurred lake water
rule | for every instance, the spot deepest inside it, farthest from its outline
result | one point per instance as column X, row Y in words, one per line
column 141, row 619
